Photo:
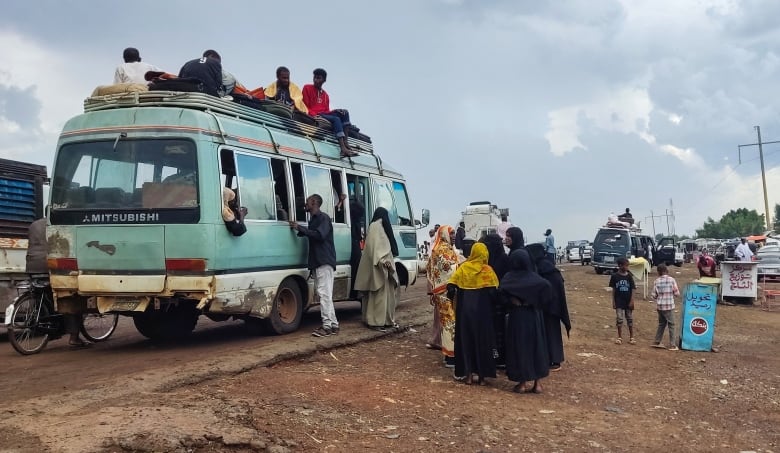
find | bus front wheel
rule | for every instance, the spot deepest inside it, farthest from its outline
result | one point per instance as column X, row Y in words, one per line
column 287, row 309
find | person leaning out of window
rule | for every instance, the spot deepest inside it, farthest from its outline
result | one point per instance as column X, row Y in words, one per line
column 233, row 216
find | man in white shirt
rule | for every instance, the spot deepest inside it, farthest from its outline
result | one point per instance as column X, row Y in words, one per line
column 743, row 252
column 133, row 70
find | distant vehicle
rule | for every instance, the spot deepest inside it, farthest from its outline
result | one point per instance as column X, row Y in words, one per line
column 586, row 254
column 481, row 218
column 668, row 253
column 613, row 242
column 768, row 258
column 21, row 202
column 573, row 255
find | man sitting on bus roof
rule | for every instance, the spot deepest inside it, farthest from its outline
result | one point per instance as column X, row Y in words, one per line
column 286, row 92
column 318, row 103
column 207, row 69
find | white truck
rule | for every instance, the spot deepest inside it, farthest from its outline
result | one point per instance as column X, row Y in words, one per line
column 481, row 218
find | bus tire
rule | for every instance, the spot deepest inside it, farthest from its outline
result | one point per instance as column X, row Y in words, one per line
column 287, row 309
column 599, row 270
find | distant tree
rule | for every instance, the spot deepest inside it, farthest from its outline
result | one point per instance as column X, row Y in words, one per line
column 776, row 223
column 735, row 223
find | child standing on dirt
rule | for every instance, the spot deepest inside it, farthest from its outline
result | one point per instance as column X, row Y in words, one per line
column 664, row 290
column 622, row 284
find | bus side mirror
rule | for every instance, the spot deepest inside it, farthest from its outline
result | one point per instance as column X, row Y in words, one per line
column 426, row 217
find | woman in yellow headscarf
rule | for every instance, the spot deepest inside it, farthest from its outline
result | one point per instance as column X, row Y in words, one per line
column 473, row 288
column 441, row 266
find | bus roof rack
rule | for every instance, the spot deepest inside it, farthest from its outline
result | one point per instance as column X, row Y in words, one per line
column 205, row 102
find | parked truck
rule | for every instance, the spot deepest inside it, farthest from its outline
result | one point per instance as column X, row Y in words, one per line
column 21, row 202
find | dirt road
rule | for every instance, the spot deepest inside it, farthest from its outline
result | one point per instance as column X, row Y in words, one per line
column 224, row 390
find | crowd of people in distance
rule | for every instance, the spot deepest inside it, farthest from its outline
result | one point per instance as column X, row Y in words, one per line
column 495, row 310
column 208, row 74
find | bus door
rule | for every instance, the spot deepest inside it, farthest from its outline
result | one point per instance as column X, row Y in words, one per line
column 358, row 202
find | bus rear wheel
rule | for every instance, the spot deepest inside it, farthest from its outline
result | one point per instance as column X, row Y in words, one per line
column 287, row 309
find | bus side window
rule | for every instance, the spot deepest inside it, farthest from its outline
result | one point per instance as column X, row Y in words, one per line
column 318, row 182
column 256, row 187
column 228, row 164
column 299, row 195
column 402, row 204
column 281, row 192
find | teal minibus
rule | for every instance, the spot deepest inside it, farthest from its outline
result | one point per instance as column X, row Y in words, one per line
column 135, row 212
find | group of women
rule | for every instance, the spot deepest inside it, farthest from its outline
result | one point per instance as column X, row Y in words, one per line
column 495, row 310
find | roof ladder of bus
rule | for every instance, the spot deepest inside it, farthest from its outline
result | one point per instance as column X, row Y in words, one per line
column 222, row 133
column 378, row 164
column 314, row 147
column 271, row 135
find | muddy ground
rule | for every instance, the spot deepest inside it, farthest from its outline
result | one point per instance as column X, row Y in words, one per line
column 224, row 390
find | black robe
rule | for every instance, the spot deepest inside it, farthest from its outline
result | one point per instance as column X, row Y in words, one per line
column 557, row 311
column 499, row 261
column 474, row 337
column 526, row 294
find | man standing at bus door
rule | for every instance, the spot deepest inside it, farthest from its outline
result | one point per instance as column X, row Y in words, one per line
column 37, row 249
column 322, row 261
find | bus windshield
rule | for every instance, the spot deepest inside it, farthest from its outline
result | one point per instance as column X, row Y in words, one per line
column 614, row 241
column 126, row 175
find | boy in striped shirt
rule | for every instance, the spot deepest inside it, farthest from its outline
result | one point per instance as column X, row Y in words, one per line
column 664, row 290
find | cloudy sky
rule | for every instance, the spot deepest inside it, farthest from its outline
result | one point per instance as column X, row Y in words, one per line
column 560, row 111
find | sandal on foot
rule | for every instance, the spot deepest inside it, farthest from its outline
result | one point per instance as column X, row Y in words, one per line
column 619, row 341
column 79, row 344
column 433, row 346
column 631, row 341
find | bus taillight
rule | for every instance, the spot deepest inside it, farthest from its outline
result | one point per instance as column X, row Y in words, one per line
column 62, row 264
column 185, row 264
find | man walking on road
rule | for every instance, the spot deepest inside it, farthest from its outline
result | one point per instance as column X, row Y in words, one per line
column 322, row 261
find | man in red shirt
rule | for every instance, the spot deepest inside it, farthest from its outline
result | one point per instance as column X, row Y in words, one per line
column 318, row 103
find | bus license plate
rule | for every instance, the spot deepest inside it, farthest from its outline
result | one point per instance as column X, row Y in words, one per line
column 609, row 259
column 9, row 312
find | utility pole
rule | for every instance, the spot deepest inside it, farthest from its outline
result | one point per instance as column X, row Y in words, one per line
column 666, row 215
column 763, row 174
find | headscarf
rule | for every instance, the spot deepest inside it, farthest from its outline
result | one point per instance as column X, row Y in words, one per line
column 227, row 196
column 497, row 258
column 382, row 214
column 443, row 261
column 523, row 283
column 546, row 268
column 475, row 272
column 517, row 238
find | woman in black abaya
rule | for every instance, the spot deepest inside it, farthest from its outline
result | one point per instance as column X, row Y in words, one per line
column 514, row 239
column 473, row 288
column 526, row 294
column 557, row 311
column 499, row 262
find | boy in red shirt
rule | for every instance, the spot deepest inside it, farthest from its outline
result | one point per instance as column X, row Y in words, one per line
column 318, row 103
